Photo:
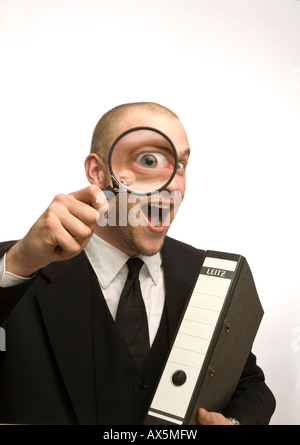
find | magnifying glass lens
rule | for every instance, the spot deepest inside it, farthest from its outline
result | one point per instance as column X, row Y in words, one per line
column 142, row 160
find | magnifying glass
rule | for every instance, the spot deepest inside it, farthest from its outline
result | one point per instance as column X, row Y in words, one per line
column 142, row 160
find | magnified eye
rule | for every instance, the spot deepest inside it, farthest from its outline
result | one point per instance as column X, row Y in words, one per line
column 152, row 160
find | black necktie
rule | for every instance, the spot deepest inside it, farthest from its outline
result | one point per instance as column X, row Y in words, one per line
column 131, row 317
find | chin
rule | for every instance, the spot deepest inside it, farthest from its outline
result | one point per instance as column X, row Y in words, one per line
column 144, row 241
column 151, row 250
column 151, row 242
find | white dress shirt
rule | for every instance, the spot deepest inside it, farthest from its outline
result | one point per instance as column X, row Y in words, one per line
column 109, row 264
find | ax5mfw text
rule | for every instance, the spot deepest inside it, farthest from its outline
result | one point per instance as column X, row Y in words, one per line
column 171, row 434
column 155, row 434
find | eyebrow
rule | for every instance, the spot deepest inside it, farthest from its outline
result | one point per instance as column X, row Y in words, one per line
column 186, row 152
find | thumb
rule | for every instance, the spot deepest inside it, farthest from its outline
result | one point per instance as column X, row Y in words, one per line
column 212, row 418
column 203, row 417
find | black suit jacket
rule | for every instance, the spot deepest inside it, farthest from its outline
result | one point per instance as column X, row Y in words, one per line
column 48, row 328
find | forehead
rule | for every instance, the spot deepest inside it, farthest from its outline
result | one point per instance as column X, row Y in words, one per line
column 168, row 124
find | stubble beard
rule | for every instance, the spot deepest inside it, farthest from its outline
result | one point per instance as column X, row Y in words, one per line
column 136, row 238
column 139, row 239
column 135, row 241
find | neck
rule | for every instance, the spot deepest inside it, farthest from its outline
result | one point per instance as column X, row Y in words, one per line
column 106, row 234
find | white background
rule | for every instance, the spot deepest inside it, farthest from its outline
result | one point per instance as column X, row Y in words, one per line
column 230, row 69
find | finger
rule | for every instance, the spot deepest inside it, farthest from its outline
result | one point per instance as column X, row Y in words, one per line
column 203, row 417
column 62, row 228
column 90, row 195
column 76, row 227
column 60, row 240
column 64, row 205
column 212, row 418
column 81, row 211
column 66, row 245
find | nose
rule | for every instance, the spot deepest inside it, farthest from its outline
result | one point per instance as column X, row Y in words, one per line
column 174, row 185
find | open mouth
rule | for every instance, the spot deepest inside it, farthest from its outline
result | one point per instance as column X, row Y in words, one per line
column 157, row 214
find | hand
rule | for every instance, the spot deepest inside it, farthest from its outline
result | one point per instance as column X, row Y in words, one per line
column 60, row 233
column 211, row 418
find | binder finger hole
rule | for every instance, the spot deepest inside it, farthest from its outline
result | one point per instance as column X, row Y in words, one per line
column 179, row 378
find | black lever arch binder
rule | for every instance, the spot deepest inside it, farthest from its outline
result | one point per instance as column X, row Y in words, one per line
column 212, row 343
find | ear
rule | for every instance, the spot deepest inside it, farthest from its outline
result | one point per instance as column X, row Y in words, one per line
column 96, row 170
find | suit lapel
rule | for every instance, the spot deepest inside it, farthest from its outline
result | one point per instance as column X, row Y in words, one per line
column 180, row 277
column 66, row 310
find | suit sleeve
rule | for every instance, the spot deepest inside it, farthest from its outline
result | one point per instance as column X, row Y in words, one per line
column 9, row 296
column 252, row 403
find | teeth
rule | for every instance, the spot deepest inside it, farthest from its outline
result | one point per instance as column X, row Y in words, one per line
column 160, row 205
column 156, row 212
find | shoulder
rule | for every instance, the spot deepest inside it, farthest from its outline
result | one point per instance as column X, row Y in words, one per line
column 178, row 255
column 174, row 245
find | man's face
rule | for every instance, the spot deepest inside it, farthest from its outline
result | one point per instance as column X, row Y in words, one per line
column 149, row 217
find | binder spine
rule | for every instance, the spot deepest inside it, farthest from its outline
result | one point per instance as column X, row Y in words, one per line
column 188, row 361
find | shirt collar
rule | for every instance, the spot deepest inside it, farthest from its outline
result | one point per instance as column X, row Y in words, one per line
column 108, row 261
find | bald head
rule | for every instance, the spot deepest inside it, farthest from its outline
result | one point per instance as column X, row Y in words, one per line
column 110, row 125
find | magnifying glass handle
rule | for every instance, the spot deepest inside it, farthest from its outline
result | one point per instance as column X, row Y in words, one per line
column 110, row 193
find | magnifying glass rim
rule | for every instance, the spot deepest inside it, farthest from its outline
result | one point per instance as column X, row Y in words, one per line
column 121, row 187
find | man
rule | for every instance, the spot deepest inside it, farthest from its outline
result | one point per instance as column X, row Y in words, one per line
column 66, row 361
